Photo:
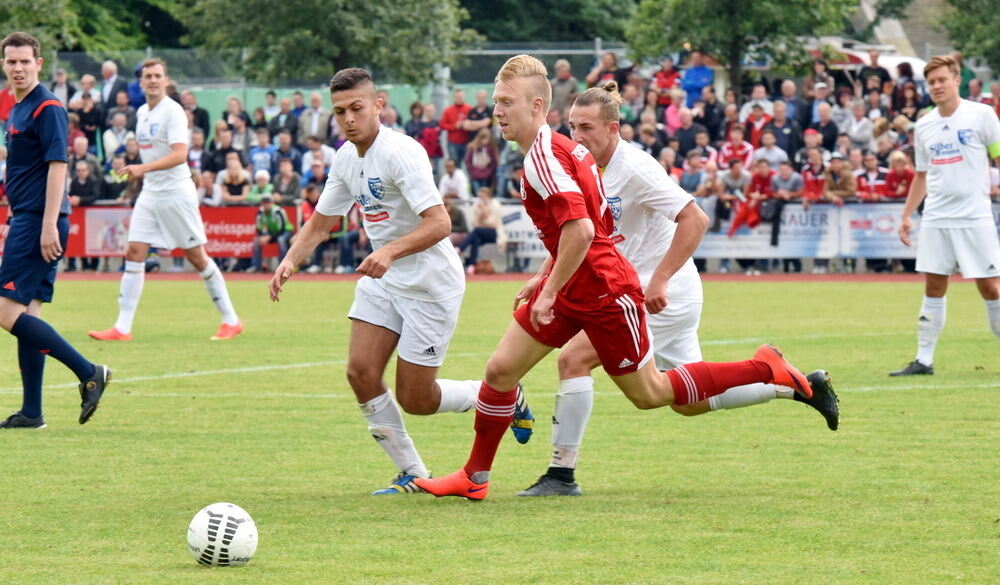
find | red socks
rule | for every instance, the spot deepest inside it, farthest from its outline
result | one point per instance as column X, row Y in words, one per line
column 494, row 411
column 700, row 380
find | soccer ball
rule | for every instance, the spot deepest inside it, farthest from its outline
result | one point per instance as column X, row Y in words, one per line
column 222, row 535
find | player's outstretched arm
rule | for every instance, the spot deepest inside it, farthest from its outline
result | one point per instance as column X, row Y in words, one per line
column 574, row 241
column 434, row 226
column 691, row 225
column 918, row 190
column 312, row 233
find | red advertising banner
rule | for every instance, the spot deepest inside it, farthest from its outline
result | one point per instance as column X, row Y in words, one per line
column 103, row 231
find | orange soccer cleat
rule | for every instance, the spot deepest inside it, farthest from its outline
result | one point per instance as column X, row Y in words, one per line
column 782, row 371
column 112, row 334
column 227, row 331
column 454, row 484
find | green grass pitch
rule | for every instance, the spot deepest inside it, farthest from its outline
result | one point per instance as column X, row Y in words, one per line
column 906, row 492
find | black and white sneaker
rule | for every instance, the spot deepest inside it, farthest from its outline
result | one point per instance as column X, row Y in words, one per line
column 914, row 368
column 19, row 421
column 91, row 391
column 550, row 486
column 824, row 399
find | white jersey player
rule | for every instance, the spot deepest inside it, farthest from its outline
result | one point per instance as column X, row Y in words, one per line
column 954, row 143
column 166, row 212
column 409, row 297
column 658, row 226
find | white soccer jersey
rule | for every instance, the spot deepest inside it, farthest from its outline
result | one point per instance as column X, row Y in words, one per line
column 955, row 153
column 645, row 201
column 155, row 131
column 394, row 184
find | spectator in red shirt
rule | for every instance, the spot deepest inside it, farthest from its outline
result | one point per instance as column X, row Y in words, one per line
column 757, row 121
column 813, row 177
column 748, row 212
column 452, row 122
column 735, row 147
column 899, row 178
column 871, row 181
column 6, row 103
column 429, row 137
column 665, row 80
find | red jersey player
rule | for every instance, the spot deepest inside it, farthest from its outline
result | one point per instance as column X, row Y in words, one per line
column 584, row 285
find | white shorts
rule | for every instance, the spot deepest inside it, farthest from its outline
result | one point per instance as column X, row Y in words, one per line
column 424, row 327
column 675, row 335
column 973, row 250
column 168, row 222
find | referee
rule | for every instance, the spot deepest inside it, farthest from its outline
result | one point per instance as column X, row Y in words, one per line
column 36, row 180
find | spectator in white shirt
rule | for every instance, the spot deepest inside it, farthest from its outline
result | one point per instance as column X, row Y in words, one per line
column 454, row 182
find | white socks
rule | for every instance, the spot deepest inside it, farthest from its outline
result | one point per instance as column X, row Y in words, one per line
column 574, row 402
column 929, row 326
column 993, row 316
column 748, row 395
column 129, row 293
column 216, row 286
column 458, row 395
column 385, row 422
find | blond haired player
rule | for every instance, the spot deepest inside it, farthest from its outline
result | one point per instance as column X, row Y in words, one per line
column 584, row 285
column 657, row 228
column 166, row 212
column 954, row 143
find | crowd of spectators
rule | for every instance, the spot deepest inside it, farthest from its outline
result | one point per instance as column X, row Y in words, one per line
column 824, row 139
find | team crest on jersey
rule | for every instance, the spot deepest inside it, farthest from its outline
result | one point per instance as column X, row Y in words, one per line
column 580, row 152
column 376, row 187
column 153, row 128
column 965, row 136
column 615, row 203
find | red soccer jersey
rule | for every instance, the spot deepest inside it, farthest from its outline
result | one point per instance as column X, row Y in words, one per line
column 762, row 184
column 561, row 183
column 729, row 151
column 894, row 181
column 813, row 180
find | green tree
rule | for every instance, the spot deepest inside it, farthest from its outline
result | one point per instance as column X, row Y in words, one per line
column 733, row 31
column 306, row 39
column 550, row 20
column 974, row 28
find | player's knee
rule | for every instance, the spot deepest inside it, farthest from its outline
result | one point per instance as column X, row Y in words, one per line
column 684, row 410
column 419, row 403
column 498, row 375
column 572, row 365
column 362, row 377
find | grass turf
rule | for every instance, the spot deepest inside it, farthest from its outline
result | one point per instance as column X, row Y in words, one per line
column 906, row 491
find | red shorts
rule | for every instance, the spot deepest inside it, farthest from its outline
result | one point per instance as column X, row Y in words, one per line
column 617, row 330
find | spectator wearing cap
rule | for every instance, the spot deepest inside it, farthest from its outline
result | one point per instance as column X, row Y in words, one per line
column 564, row 86
column 812, row 139
column 755, row 124
column 821, row 95
column 735, row 148
column 758, row 96
column 826, row 127
column 813, row 172
column 696, row 77
column 61, row 87
column 787, row 132
column 273, row 227
column 839, row 185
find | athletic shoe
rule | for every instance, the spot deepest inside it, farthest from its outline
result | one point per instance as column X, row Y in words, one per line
column 454, row 484
column 914, row 368
column 91, row 391
column 314, row 269
column 824, row 399
column 19, row 421
column 112, row 334
column 783, row 373
column 523, row 421
column 550, row 486
column 227, row 331
column 401, row 484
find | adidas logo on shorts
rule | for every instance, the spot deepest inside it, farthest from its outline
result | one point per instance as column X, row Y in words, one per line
column 626, row 363
column 430, row 351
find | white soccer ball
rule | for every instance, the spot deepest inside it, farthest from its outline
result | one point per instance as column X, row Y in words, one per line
column 222, row 535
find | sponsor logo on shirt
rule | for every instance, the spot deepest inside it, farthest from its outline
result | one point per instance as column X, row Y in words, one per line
column 945, row 153
column 376, row 187
column 377, row 217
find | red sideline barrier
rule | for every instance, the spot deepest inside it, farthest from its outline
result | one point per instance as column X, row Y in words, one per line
column 103, row 231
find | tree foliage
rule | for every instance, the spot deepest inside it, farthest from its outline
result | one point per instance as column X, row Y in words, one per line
column 305, row 39
column 974, row 28
column 734, row 31
column 550, row 20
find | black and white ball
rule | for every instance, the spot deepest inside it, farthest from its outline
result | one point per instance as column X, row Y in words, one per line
column 222, row 535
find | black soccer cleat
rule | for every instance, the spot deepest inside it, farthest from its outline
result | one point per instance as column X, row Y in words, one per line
column 91, row 391
column 551, row 486
column 19, row 421
column 914, row 368
column 824, row 399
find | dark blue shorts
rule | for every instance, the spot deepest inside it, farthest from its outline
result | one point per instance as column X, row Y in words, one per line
column 24, row 274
